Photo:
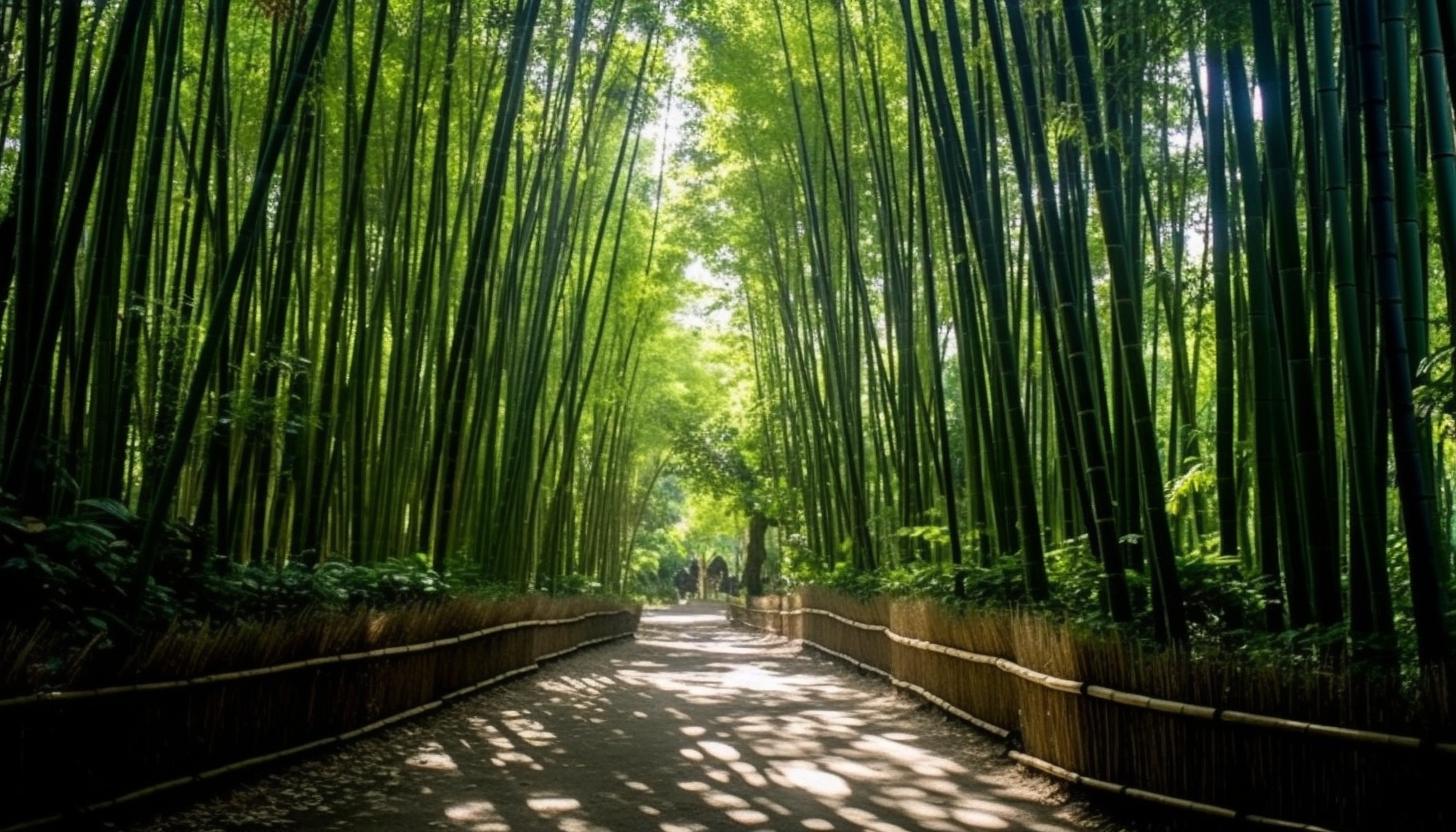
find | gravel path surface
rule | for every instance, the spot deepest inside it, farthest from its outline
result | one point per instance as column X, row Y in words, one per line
column 694, row 725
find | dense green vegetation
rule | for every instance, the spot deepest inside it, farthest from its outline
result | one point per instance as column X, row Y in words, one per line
column 338, row 280
column 1135, row 309
column 1123, row 296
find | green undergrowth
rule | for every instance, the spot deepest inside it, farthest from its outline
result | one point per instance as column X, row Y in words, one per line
column 71, row 575
column 1226, row 608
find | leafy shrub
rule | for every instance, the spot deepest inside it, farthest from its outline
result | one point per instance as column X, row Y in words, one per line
column 576, row 585
column 72, row 573
column 261, row 593
column 1224, row 607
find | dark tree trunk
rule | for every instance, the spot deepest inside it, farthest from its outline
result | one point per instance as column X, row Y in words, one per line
column 756, row 552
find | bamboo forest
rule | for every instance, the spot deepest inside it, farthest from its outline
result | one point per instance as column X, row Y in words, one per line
column 331, row 326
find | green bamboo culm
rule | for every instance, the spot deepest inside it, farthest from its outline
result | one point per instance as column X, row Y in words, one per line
column 1416, row 498
column 313, row 45
column 1168, row 595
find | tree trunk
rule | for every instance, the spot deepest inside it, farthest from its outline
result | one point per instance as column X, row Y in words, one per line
column 753, row 558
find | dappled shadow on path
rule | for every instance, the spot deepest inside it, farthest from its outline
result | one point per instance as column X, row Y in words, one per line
column 696, row 725
column 701, row 726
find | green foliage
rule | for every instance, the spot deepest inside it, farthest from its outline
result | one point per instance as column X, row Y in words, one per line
column 711, row 455
column 468, row 576
column 1223, row 605
column 576, row 585
column 1200, row 478
column 932, row 535
column 651, row 573
column 1435, row 397
column 68, row 572
column 997, row 586
column 1405, row 624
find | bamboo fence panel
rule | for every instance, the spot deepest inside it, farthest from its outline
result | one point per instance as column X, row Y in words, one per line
column 1326, row 749
column 88, row 749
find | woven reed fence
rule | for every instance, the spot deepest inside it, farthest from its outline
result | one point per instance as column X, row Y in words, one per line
column 83, row 750
column 1296, row 749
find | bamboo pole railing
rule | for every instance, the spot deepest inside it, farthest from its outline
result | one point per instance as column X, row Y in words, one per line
column 1132, row 700
column 1153, row 797
column 327, row 741
column 743, row 613
column 20, row 714
column 343, row 658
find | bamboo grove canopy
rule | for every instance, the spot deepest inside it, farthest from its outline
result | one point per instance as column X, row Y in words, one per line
column 1121, row 285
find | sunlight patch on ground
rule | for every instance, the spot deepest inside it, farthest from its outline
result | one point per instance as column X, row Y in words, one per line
column 579, row 825
column 718, row 775
column 747, row 817
column 564, row 684
column 839, row 722
column 552, row 804
column 717, row 648
column 720, row 750
column 919, row 809
column 750, row 775
column 682, row 619
column 432, row 756
column 749, row 677
column 858, row 771
column 477, row 816
column 787, row 748
column 724, row 800
column 983, row 806
column 867, row 820
column 714, row 687
column 917, row 760
column 777, row 808
column 474, row 810
column 979, row 820
column 941, row 786
column 531, row 731
column 807, row 777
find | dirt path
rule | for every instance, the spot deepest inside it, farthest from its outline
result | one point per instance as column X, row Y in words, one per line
column 695, row 725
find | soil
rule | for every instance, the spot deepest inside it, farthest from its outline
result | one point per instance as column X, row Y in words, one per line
column 695, row 725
